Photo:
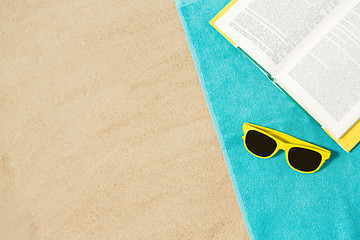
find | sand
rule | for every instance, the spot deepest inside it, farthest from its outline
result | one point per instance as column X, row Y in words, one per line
column 104, row 130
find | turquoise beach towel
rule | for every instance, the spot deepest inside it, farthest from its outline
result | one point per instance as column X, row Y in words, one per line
column 276, row 201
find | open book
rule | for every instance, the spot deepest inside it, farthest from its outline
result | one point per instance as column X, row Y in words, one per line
column 311, row 49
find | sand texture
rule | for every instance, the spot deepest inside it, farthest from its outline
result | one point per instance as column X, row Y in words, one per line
column 104, row 130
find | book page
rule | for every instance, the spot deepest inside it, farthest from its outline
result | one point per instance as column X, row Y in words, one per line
column 269, row 30
column 325, row 80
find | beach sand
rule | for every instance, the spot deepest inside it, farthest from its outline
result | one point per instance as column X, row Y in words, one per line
column 104, row 130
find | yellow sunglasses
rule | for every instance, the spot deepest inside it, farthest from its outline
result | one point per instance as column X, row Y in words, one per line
column 300, row 155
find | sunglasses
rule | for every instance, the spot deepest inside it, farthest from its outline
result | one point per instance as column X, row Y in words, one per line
column 301, row 156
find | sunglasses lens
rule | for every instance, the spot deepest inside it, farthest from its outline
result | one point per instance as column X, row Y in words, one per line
column 304, row 159
column 260, row 144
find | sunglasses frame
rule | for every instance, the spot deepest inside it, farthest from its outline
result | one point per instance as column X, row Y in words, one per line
column 285, row 142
